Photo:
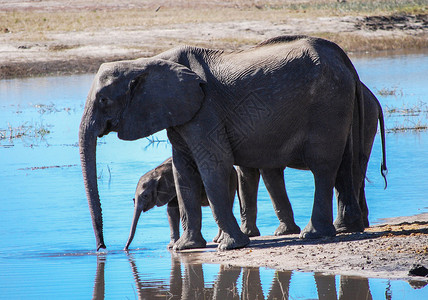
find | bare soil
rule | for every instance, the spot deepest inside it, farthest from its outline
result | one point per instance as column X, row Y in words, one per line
column 66, row 37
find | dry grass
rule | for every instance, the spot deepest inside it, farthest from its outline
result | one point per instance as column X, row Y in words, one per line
column 36, row 21
column 24, row 131
column 361, row 43
column 410, row 127
column 413, row 118
column 57, row 26
column 394, row 91
column 350, row 7
column 151, row 13
column 416, row 109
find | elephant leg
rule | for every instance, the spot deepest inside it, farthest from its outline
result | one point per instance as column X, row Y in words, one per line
column 348, row 181
column 274, row 181
column 359, row 185
column 197, row 157
column 233, row 183
column 216, row 184
column 361, row 175
column 363, row 205
column 248, row 185
column 324, row 161
column 188, row 187
column 174, row 221
column 321, row 222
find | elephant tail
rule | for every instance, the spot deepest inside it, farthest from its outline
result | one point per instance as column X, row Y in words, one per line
column 383, row 168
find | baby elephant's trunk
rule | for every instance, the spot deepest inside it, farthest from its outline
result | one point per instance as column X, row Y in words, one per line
column 137, row 213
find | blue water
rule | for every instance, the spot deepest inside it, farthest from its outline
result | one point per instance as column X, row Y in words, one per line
column 47, row 242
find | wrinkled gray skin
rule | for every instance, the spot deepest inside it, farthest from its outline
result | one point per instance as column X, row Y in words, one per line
column 290, row 101
column 274, row 181
column 157, row 188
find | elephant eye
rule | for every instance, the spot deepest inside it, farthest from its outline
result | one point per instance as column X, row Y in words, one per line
column 103, row 100
column 105, row 103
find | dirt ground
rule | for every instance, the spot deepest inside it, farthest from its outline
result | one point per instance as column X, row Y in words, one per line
column 50, row 37
column 389, row 250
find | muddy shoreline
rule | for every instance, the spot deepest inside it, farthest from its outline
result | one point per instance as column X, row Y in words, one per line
column 388, row 250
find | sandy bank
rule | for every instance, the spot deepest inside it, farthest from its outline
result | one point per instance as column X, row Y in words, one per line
column 388, row 250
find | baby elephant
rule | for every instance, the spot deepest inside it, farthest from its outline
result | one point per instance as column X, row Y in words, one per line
column 157, row 187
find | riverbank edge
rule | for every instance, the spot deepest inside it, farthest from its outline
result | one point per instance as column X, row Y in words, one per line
column 388, row 250
column 53, row 52
column 90, row 65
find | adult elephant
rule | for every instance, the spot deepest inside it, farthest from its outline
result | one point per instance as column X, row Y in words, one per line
column 290, row 100
column 248, row 179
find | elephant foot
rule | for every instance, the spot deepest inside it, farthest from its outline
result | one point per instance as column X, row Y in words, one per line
column 250, row 230
column 284, row 229
column 187, row 241
column 219, row 237
column 171, row 244
column 344, row 226
column 320, row 231
column 227, row 243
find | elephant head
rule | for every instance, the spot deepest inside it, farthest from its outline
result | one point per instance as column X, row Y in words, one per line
column 156, row 187
column 135, row 99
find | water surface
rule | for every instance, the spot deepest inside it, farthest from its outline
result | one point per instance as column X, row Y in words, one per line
column 47, row 242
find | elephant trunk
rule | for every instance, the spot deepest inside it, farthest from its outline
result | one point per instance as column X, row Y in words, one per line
column 137, row 213
column 87, row 147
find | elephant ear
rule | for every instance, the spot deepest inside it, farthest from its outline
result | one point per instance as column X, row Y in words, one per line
column 162, row 94
column 165, row 189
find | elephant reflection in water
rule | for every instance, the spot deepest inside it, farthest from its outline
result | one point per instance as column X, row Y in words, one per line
column 99, row 285
column 191, row 285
